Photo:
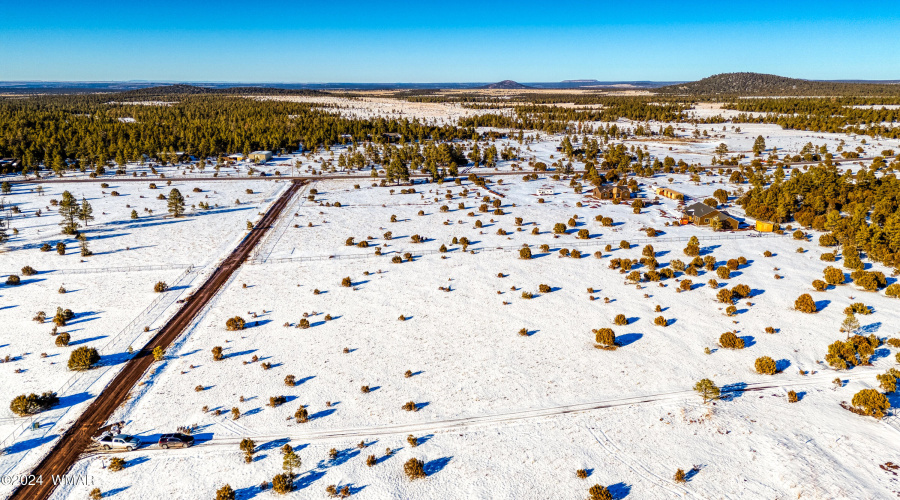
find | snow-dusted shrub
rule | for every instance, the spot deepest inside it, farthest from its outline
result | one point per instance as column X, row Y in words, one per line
column 723, row 272
column 597, row 492
column 806, row 304
column 32, row 404
column 729, row 340
column 62, row 340
column 834, row 276
column 871, row 402
column 605, row 336
column 235, row 323
column 765, row 366
column 282, row 483
column 83, row 358
column 414, row 469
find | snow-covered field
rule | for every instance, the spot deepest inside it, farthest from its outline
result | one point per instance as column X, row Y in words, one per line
column 110, row 292
column 499, row 414
column 493, row 404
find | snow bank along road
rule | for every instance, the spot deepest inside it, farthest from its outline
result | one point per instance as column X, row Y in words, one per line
column 229, row 444
column 78, row 437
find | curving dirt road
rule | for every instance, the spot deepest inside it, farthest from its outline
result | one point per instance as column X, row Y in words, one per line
column 71, row 445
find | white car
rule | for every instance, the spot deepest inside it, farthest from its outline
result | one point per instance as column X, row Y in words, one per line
column 109, row 441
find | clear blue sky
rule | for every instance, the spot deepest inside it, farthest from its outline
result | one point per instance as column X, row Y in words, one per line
column 461, row 41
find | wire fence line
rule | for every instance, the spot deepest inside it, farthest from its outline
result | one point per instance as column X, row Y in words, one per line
column 103, row 350
column 508, row 248
column 120, row 269
column 271, row 239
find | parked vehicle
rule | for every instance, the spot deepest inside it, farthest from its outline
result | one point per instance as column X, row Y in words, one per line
column 109, row 441
column 176, row 440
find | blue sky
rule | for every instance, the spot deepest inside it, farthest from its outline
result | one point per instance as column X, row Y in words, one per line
column 462, row 41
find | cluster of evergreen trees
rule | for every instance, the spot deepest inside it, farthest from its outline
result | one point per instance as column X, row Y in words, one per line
column 823, row 115
column 860, row 209
column 64, row 132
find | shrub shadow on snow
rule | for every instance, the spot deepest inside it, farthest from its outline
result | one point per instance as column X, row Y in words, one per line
column 732, row 391
column 253, row 411
column 870, row 328
column 308, row 479
column 89, row 339
column 300, row 381
column 239, row 353
column 879, row 353
column 619, row 490
column 82, row 317
column 72, row 400
column 628, row 339
column 256, row 323
column 322, row 414
column 424, row 439
column 434, row 466
column 419, row 406
column 134, row 462
column 782, row 365
column 749, row 341
column 822, row 304
column 24, row 282
column 8, row 307
column 29, row 444
column 116, row 491
column 277, row 443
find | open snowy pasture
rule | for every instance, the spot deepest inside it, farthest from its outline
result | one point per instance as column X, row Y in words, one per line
column 453, row 334
column 117, row 239
column 810, row 449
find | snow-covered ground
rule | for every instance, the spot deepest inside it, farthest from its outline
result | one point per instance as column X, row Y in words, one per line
column 110, row 292
column 469, row 362
column 503, row 415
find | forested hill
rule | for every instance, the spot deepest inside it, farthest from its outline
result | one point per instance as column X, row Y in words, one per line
column 734, row 84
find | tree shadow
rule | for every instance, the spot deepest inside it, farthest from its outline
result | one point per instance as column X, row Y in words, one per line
column 628, row 339
column 85, row 341
column 277, row 443
column 29, row 444
column 434, row 466
column 72, row 400
column 308, row 479
column 619, row 490
column 733, row 391
column 134, row 462
column 322, row 414
column 115, row 491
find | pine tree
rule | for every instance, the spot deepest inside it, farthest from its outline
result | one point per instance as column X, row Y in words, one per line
column 291, row 461
column 68, row 210
column 176, row 203
column 85, row 212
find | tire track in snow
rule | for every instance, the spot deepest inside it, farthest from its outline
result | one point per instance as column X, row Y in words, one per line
column 468, row 423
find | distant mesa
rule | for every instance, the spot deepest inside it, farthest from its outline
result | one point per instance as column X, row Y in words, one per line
column 506, row 84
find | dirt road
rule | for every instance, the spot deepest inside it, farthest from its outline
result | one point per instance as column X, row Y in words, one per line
column 349, row 176
column 71, row 445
